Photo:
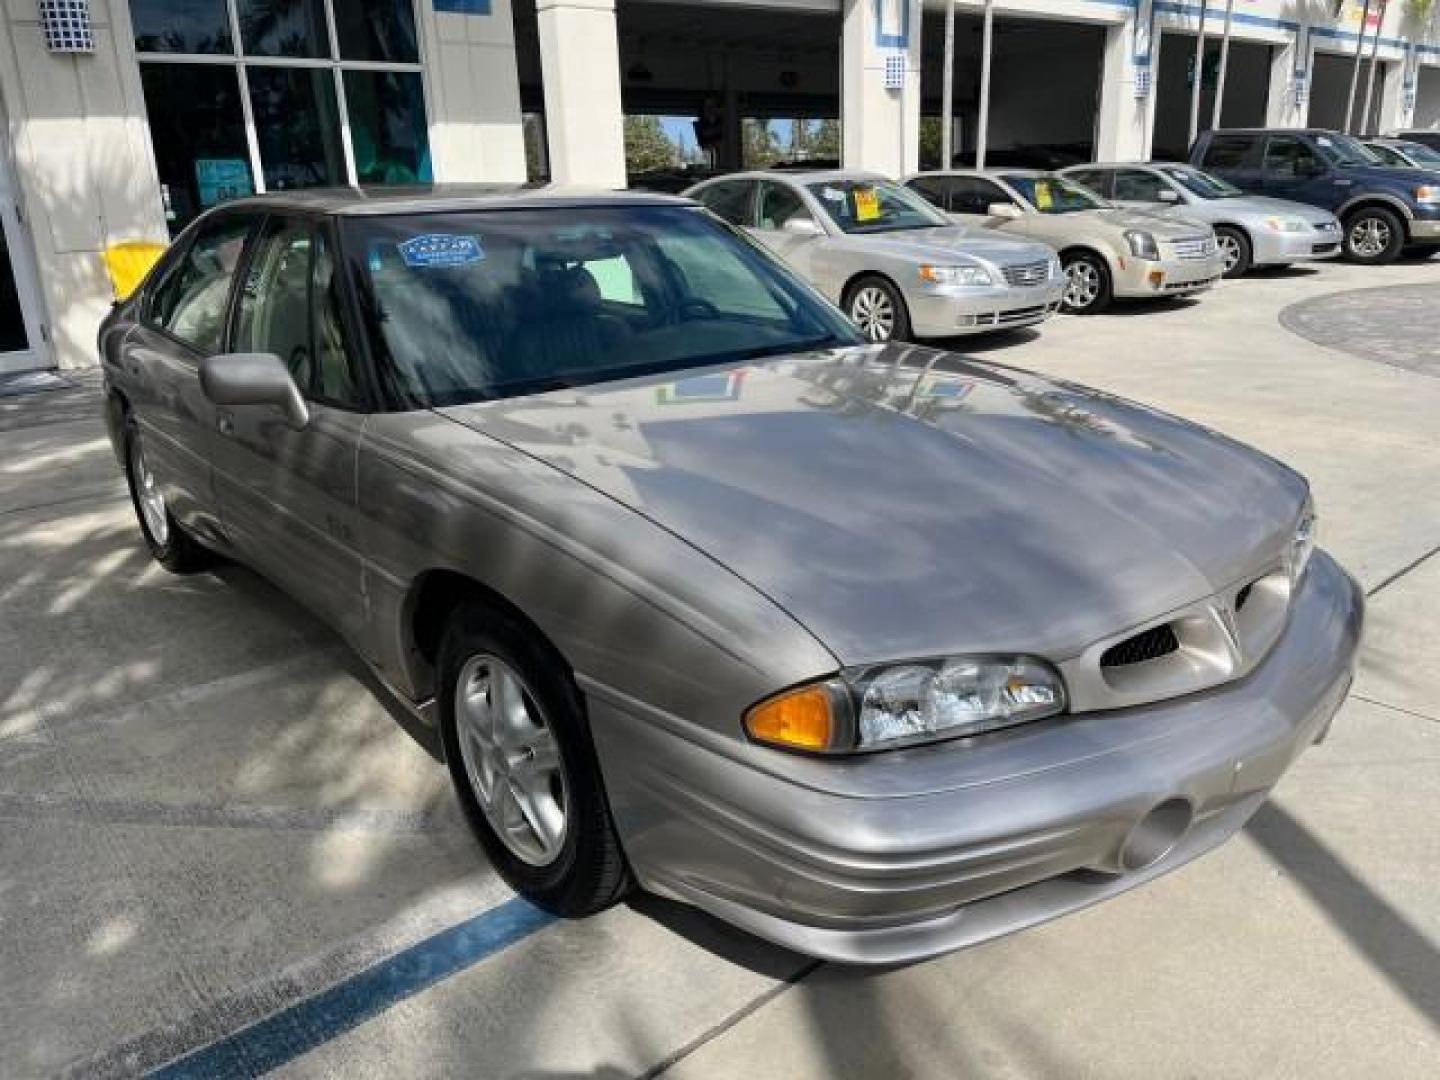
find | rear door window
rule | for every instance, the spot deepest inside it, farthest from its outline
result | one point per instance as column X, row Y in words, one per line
column 1137, row 185
column 1097, row 180
column 1231, row 151
column 731, row 200
column 1288, row 155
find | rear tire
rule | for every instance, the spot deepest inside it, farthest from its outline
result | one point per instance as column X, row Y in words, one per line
column 1374, row 236
column 878, row 310
column 1089, row 289
column 170, row 545
column 1235, row 246
column 517, row 743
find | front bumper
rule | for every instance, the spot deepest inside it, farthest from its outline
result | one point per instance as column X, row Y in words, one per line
column 904, row 855
column 1272, row 248
column 949, row 311
column 1425, row 230
column 1136, row 278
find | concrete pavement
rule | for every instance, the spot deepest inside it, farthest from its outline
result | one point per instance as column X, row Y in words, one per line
column 208, row 816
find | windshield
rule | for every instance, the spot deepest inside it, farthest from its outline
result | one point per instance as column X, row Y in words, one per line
column 1055, row 194
column 1420, row 154
column 1343, row 150
column 491, row 304
column 872, row 206
column 1201, row 184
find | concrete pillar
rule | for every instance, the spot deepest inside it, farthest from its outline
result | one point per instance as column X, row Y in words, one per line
column 1127, row 105
column 1290, row 75
column 473, row 90
column 580, row 65
column 881, row 127
column 1396, row 103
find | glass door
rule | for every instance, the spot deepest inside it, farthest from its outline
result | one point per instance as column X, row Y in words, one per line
column 21, row 344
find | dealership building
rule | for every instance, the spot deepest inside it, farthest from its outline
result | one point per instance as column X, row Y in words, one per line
column 123, row 119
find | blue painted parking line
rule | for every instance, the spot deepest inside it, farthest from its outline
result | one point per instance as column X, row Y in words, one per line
column 285, row 1035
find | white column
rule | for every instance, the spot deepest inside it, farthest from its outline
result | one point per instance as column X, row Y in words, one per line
column 580, row 65
column 471, row 82
column 1127, row 107
column 1396, row 105
column 1289, row 77
column 881, row 127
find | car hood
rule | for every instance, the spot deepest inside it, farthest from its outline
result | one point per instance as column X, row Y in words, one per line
column 901, row 502
column 1162, row 226
column 1261, row 205
column 945, row 242
column 1395, row 174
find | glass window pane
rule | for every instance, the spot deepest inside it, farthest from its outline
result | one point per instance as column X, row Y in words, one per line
column 273, row 313
column 377, row 30
column 298, row 127
column 198, row 131
column 190, row 301
column 387, row 126
column 181, row 26
column 333, row 379
column 284, row 27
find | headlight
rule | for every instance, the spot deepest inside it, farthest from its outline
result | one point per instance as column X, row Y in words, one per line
column 902, row 704
column 1302, row 543
column 1142, row 245
column 956, row 275
column 1427, row 193
column 1286, row 225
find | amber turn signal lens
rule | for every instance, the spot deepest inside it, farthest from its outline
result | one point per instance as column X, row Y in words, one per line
column 800, row 720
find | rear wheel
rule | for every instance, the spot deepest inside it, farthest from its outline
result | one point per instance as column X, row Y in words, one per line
column 1235, row 247
column 1088, row 287
column 518, row 747
column 1374, row 236
column 170, row 545
column 878, row 310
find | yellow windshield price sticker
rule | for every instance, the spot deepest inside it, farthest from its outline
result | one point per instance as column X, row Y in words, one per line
column 867, row 204
column 1044, row 200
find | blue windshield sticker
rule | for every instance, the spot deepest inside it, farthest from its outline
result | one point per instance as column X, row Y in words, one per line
column 441, row 249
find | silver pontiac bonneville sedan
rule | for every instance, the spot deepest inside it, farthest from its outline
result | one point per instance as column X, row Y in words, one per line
column 897, row 267
column 875, row 651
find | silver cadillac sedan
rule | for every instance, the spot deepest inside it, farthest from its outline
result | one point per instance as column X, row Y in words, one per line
column 872, row 650
column 897, row 267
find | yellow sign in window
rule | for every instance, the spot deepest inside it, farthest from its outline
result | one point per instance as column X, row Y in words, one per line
column 867, row 204
column 1044, row 199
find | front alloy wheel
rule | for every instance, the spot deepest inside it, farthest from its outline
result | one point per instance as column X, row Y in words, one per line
column 1374, row 236
column 511, row 760
column 872, row 310
column 1087, row 287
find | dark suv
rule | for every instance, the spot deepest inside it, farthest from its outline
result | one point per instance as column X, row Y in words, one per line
column 1383, row 208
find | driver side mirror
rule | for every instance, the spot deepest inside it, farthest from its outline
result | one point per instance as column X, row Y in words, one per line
column 802, row 225
column 253, row 379
column 1007, row 210
column 1168, row 195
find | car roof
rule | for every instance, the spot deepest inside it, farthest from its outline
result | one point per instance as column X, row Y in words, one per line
column 1129, row 165
column 799, row 176
column 429, row 198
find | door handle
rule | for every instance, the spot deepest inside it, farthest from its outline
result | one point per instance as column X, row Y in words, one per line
column 225, row 422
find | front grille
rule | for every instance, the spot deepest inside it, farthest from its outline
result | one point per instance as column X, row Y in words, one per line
column 1027, row 274
column 1194, row 247
column 1189, row 286
column 1147, row 645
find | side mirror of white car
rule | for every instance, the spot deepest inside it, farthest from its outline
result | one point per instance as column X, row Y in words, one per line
column 1168, row 195
column 1003, row 210
column 801, row 225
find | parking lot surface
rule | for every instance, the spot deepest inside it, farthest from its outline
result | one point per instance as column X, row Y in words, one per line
column 223, row 852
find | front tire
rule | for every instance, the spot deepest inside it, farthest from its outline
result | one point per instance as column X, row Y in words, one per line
column 517, row 743
column 1088, row 289
column 1236, row 248
column 1374, row 236
column 169, row 544
column 878, row 310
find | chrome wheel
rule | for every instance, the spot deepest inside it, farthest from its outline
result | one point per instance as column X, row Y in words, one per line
column 1084, row 285
column 512, row 760
column 147, row 494
column 1229, row 251
column 872, row 310
column 1370, row 237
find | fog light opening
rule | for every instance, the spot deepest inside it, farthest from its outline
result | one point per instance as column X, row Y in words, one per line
column 1156, row 835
